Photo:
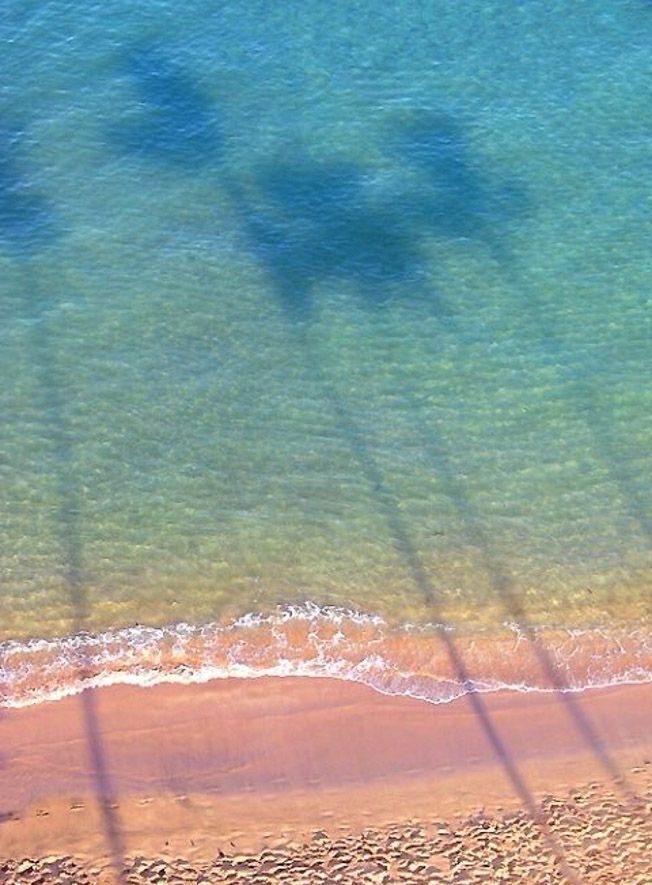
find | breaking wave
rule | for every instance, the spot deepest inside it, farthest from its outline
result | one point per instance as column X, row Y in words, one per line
column 308, row 640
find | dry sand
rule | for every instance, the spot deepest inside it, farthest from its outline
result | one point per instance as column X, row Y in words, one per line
column 314, row 780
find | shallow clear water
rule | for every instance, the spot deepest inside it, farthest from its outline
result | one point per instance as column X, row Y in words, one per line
column 346, row 303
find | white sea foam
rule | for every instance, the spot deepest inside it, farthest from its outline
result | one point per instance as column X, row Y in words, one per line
column 326, row 642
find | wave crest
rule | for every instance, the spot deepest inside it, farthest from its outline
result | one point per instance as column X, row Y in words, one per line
column 315, row 641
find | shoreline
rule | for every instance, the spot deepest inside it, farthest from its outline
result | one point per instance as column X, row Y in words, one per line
column 245, row 764
column 309, row 641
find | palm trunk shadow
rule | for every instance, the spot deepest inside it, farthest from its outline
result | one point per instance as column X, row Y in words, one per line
column 504, row 589
column 414, row 567
column 60, row 438
column 582, row 398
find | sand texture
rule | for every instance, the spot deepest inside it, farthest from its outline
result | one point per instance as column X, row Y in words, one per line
column 603, row 840
column 315, row 780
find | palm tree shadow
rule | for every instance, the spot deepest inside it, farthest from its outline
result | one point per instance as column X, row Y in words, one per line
column 171, row 121
column 316, row 224
column 505, row 590
column 311, row 221
column 583, row 392
column 28, row 225
column 314, row 233
column 461, row 200
column 27, row 222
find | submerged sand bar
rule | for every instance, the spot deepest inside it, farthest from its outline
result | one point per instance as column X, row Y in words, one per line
column 241, row 766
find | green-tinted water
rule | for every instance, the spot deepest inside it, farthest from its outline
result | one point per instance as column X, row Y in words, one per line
column 344, row 303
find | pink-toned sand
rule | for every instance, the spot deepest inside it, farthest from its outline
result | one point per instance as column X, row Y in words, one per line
column 237, row 765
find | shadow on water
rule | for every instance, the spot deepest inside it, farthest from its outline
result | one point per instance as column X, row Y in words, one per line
column 308, row 221
column 171, row 120
column 473, row 212
column 341, row 234
column 458, row 201
column 26, row 219
column 582, row 390
column 27, row 226
column 460, row 205
column 312, row 225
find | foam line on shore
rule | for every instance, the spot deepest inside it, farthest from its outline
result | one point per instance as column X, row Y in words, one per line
column 313, row 641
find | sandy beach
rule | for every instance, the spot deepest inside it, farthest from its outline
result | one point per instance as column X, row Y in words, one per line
column 306, row 780
column 325, row 443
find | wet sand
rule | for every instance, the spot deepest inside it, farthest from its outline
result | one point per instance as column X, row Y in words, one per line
column 232, row 780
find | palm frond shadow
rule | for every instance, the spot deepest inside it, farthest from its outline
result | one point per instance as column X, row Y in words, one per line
column 445, row 161
column 307, row 221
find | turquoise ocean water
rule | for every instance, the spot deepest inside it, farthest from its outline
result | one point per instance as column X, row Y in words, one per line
column 320, row 324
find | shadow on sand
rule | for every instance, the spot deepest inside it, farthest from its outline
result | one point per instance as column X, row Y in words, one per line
column 28, row 225
column 307, row 221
